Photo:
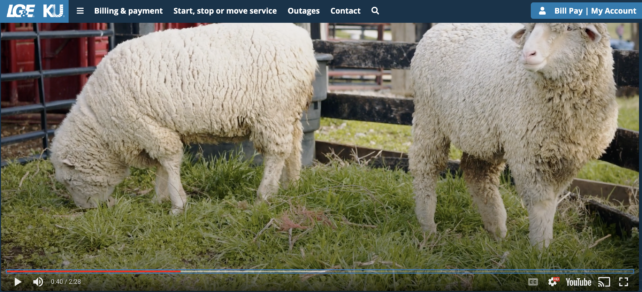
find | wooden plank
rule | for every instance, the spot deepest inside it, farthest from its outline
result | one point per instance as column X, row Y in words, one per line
column 356, row 73
column 626, row 68
column 367, row 54
column 617, row 194
column 368, row 109
column 374, row 157
column 624, row 223
column 397, row 55
column 348, row 152
column 357, row 87
column 398, row 160
column 623, row 151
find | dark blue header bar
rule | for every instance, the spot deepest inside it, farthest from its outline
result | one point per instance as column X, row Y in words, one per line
column 124, row 11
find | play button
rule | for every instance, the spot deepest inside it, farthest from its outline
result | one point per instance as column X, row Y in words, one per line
column 16, row 281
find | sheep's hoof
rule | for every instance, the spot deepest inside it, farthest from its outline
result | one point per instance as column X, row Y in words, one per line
column 261, row 200
column 429, row 228
column 111, row 202
column 286, row 183
column 264, row 196
column 289, row 182
column 158, row 200
column 540, row 245
column 498, row 233
column 176, row 212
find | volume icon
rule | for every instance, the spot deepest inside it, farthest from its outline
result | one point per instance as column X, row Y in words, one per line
column 38, row 282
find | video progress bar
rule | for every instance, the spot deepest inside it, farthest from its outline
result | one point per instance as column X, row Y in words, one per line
column 338, row 271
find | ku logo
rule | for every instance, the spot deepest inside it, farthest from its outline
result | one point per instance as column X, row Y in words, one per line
column 20, row 10
column 50, row 10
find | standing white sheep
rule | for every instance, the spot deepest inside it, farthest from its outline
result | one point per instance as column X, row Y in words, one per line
column 545, row 105
column 214, row 83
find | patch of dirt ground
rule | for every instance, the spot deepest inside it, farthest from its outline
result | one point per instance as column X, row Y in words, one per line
column 25, row 148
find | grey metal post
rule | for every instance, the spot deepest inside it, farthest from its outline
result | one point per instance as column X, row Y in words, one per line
column 420, row 30
column 128, row 31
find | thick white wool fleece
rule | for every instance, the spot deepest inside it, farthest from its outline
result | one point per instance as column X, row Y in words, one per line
column 220, row 82
column 472, row 91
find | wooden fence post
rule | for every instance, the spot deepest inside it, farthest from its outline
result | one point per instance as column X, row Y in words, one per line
column 635, row 35
column 402, row 32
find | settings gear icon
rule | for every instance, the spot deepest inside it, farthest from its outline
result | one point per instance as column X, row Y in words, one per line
column 552, row 282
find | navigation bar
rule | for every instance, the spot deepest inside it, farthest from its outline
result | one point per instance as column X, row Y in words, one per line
column 355, row 11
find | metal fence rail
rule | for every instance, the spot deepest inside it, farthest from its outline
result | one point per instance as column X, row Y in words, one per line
column 57, row 34
column 44, row 133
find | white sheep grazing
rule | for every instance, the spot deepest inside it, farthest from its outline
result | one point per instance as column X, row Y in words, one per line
column 545, row 105
column 208, row 84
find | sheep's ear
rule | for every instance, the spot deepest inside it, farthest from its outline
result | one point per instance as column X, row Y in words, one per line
column 68, row 163
column 592, row 33
column 517, row 36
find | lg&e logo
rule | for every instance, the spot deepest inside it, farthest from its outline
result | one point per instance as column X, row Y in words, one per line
column 20, row 10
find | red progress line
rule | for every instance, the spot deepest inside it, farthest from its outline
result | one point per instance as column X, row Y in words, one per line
column 91, row 271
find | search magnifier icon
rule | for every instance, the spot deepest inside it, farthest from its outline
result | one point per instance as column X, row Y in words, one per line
column 375, row 10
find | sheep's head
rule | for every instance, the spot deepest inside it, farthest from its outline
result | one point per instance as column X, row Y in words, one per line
column 552, row 48
column 88, row 180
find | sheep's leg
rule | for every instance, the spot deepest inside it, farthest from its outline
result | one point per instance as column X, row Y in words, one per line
column 541, row 215
column 165, row 146
column 274, row 140
column 292, row 168
column 428, row 155
column 482, row 178
column 172, row 166
column 270, row 182
column 162, row 191
column 541, row 203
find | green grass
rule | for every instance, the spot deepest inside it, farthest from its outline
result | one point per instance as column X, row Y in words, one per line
column 399, row 138
column 42, row 229
column 629, row 115
column 341, row 34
